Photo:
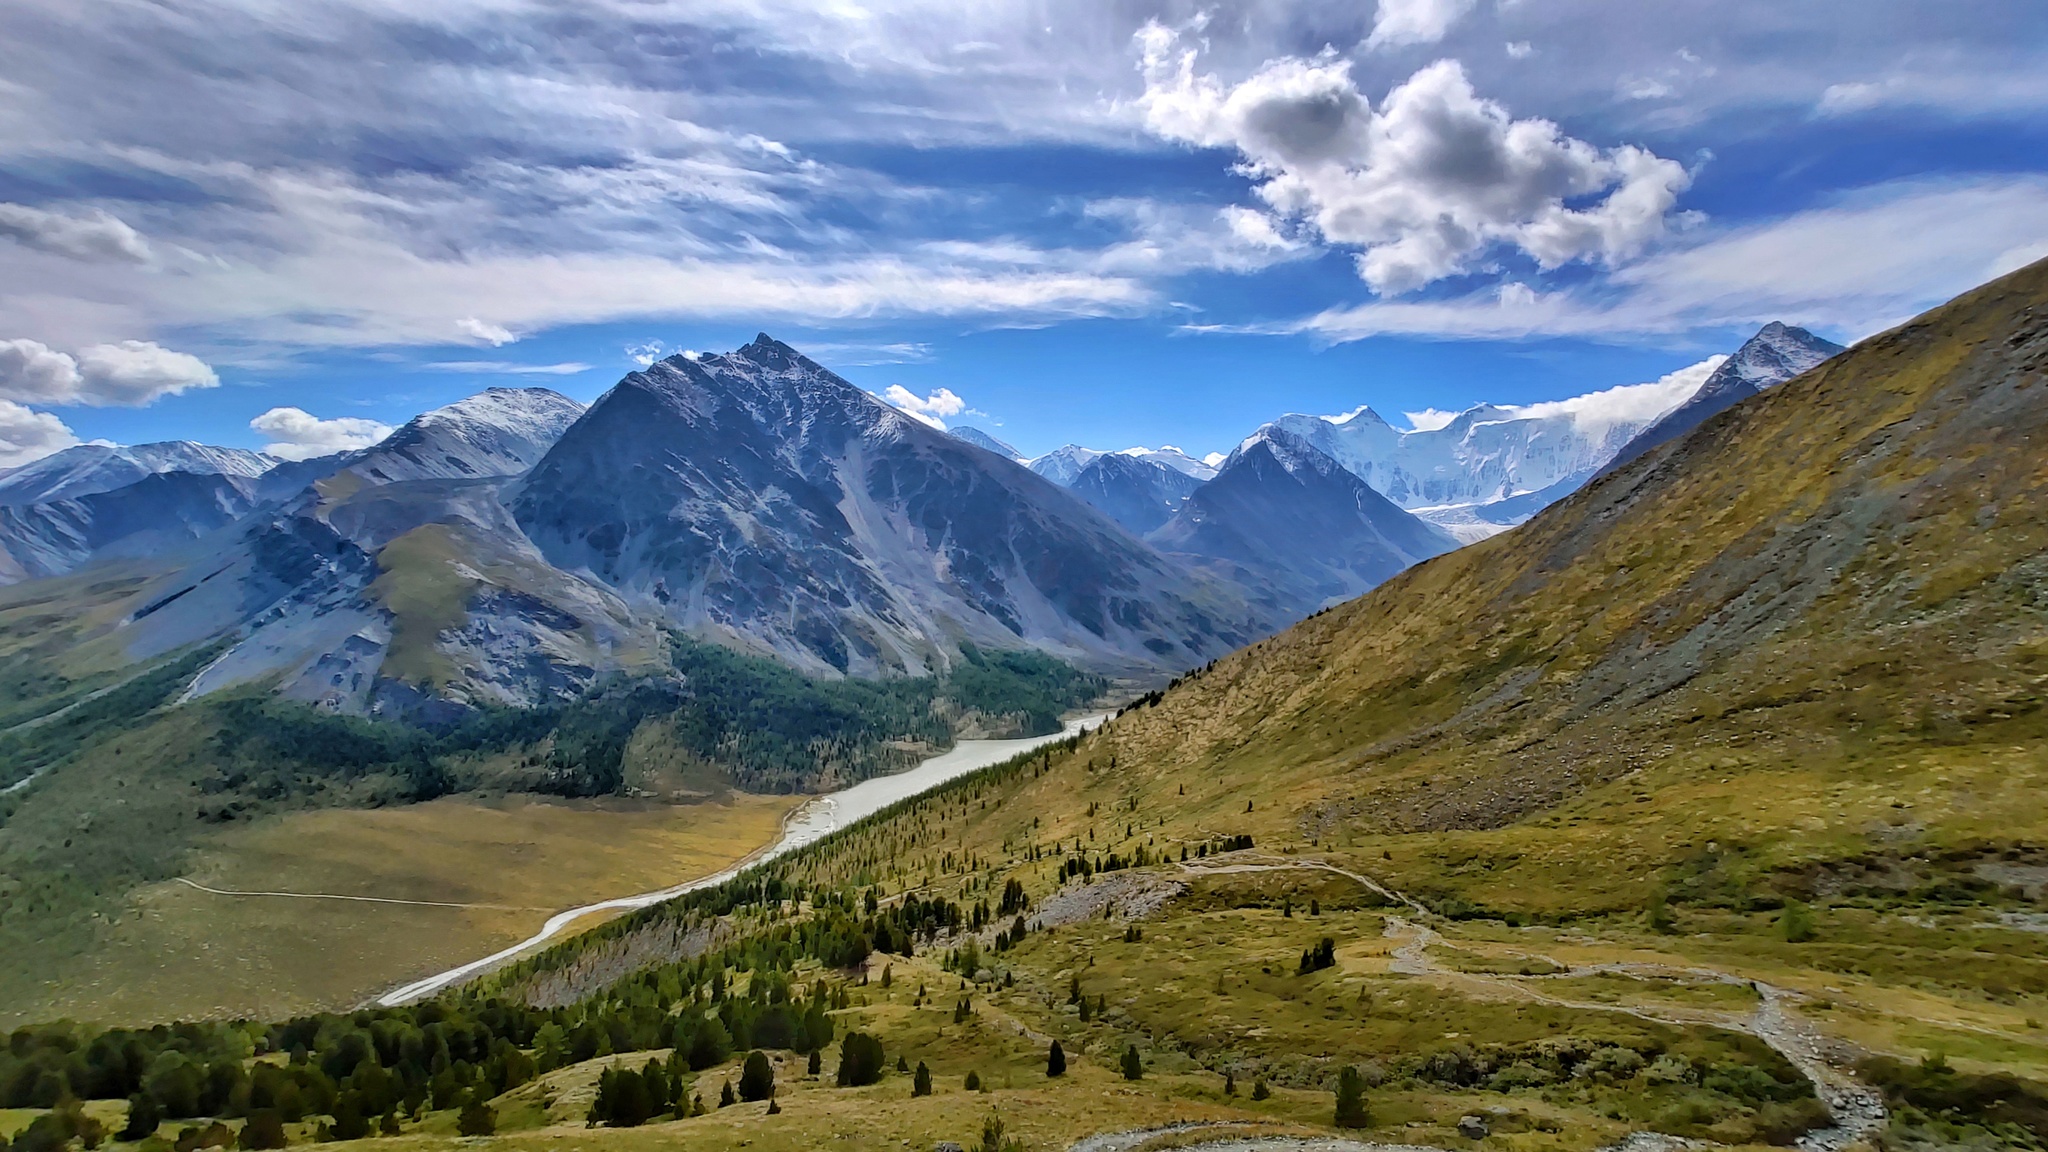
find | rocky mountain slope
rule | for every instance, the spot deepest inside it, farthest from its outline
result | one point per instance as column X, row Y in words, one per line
column 497, row 432
column 161, row 511
column 1299, row 523
column 1774, row 355
column 1136, row 493
column 980, row 439
column 756, row 495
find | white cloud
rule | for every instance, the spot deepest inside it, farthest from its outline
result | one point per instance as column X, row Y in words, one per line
column 1872, row 259
column 1626, row 403
column 131, row 373
column 27, row 435
column 931, row 409
column 504, row 368
column 1399, row 22
column 495, row 335
column 1520, row 49
column 299, row 435
column 645, row 354
column 1429, row 419
column 1425, row 186
column 96, row 236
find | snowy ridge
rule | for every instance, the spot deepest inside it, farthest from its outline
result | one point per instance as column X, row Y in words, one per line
column 497, row 432
column 88, row 469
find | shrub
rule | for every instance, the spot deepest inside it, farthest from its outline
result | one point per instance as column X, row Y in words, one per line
column 476, row 1119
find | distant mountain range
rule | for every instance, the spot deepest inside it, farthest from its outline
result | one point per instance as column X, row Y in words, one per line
column 514, row 547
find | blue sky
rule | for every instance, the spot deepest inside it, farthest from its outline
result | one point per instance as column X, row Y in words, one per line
column 1100, row 221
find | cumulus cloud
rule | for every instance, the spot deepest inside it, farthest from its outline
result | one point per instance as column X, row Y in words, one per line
column 1429, row 419
column 1399, row 22
column 932, row 409
column 645, row 354
column 27, row 435
column 496, row 335
column 130, row 374
column 299, row 435
column 94, row 236
column 1426, row 185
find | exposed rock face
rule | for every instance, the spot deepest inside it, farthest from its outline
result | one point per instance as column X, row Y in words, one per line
column 759, row 495
column 160, row 511
column 1139, row 494
column 1296, row 518
column 980, row 439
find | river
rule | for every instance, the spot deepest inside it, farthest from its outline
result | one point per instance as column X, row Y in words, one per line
column 817, row 819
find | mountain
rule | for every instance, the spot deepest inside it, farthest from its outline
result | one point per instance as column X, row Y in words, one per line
column 980, row 439
column 1777, row 353
column 497, row 432
column 1063, row 465
column 160, row 511
column 1475, row 473
column 90, row 468
column 757, row 496
column 1133, row 491
column 1290, row 513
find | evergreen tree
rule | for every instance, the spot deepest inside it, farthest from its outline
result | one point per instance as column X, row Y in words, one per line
column 1351, row 1110
column 816, row 1064
column 757, row 1077
column 388, row 1126
column 860, row 1060
column 143, row 1117
column 349, row 1121
column 921, row 1080
column 1133, row 1067
column 1229, row 1083
column 725, row 1097
column 476, row 1119
column 1259, row 1089
column 264, row 1129
column 1056, row 1061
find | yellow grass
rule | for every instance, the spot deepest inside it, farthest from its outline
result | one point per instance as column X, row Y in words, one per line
column 180, row 953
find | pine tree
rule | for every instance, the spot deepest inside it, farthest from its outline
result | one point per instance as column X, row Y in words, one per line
column 817, row 1062
column 143, row 1117
column 1259, row 1089
column 921, row 1080
column 1056, row 1061
column 476, row 1119
column 757, row 1077
column 1229, row 1083
column 973, row 1082
column 1351, row 1110
column 1133, row 1067
column 726, row 1099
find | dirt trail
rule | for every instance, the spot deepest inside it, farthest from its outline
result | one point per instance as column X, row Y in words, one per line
column 1858, row 1109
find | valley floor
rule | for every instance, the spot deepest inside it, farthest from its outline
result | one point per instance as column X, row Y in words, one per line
column 486, row 872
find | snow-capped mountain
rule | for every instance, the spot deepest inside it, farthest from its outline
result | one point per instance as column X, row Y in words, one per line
column 1063, row 465
column 758, row 496
column 1476, row 472
column 1134, row 491
column 85, row 469
column 1777, row 353
column 980, row 439
column 1296, row 519
column 497, row 432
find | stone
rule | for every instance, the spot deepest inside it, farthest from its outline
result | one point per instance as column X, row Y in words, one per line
column 1473, row 1127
